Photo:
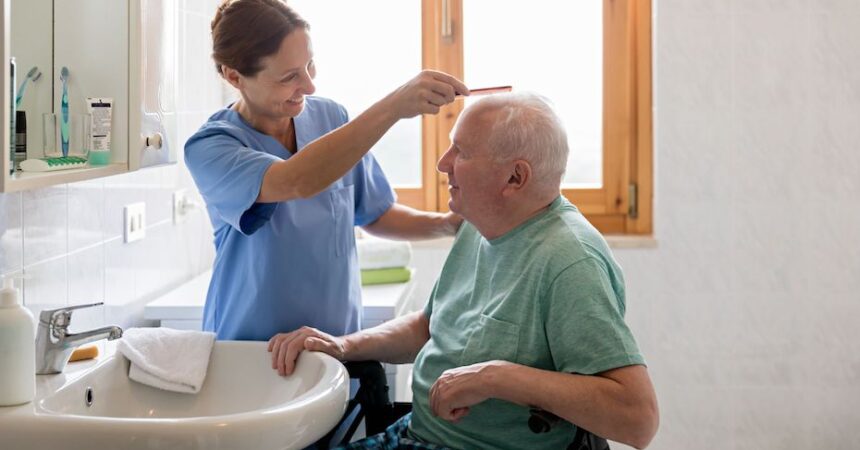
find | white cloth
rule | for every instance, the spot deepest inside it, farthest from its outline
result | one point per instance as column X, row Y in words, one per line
column 173, row 360
column 376, row 253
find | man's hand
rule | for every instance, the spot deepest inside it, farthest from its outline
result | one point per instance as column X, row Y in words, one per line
column 458, row 389
column 286, row 347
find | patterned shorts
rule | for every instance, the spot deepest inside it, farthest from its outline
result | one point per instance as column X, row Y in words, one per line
column 394, row 437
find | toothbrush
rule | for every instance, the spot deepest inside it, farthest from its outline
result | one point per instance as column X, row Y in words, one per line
column 33, row 75
column 64, row 107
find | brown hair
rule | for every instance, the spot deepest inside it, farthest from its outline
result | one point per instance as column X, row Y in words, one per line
column 245, row 31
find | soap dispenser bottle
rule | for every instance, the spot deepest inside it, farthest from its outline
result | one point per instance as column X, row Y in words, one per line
column 17, row 348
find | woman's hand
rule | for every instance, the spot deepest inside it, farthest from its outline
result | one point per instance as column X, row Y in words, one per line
column 286, row 347
column 425, row 94
column 453, row 222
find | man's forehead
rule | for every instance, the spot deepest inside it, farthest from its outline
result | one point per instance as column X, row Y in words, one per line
column 473, row 121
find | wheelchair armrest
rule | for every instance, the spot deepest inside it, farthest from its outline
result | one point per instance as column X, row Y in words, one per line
column 373, row 386
column 541, row 421
column 376, row 408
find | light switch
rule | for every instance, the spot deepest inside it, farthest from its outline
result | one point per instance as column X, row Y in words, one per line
column 180, row 200
column 134, row 219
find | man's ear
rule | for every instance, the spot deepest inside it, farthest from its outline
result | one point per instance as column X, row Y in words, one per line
column 231, row 75
column 520, row 177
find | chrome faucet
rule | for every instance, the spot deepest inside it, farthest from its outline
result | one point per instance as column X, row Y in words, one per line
column 54, row 343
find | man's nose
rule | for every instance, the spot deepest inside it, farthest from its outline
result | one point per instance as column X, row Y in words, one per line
column 444, row 164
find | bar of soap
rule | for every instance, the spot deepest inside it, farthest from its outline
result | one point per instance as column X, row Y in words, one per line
column 82, row 353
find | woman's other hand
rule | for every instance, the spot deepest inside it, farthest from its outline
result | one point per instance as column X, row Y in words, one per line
column 286, row 347
column 453, row 222
column 425, row 94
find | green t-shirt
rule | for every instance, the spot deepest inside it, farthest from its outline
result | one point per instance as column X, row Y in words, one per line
column 548, row 294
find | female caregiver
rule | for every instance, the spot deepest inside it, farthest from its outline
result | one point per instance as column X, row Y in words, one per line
column 286, row 177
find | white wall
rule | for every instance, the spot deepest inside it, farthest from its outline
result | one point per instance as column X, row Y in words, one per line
column 748, row 309
column 67, row 239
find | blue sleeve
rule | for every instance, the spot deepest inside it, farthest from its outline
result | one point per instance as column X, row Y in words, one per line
column 229, row 176
column 373, row 195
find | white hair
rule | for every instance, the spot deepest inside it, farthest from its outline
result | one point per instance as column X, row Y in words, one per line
column 527, row 127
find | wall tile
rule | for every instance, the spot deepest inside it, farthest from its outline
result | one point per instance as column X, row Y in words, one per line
column 163, row 263
column 46, row 285
column 86, row 270
column 86, row 214
column 11, row 233
column 121, row 268
column 121, row 190
column 86, row 275
column 45, row 220
column 159, row 201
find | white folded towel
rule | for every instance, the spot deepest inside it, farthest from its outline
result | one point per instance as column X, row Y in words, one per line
column 173, row 360
column 374, row 253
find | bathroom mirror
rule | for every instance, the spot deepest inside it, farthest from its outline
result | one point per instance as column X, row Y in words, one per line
column 122, row 50
column 32, row 45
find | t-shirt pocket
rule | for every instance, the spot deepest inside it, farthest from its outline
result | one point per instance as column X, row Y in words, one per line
column 343, row 210
column 494, row 339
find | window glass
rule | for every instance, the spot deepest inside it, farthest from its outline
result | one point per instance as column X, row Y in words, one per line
column 361, row 54
column 551, row 48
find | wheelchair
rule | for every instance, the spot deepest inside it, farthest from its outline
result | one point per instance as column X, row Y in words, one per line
column 371, row 404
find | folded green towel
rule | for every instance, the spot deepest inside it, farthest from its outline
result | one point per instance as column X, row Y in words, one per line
column 385, row 276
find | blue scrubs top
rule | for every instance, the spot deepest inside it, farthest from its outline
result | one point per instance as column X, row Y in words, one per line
column 279, row 266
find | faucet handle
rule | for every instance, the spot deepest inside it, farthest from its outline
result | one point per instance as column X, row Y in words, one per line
column 61, row 317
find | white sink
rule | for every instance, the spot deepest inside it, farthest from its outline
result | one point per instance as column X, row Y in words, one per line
column 243, row 404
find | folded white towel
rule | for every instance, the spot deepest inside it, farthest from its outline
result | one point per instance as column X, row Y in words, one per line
column 173, row 360
column 374, row 253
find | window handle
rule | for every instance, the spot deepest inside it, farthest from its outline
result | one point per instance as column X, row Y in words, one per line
column 447, row 28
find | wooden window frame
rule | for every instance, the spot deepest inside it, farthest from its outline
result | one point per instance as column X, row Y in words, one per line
column 627, row 116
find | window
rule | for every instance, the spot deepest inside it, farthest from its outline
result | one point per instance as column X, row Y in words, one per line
column 359, row 58
column 592, row 59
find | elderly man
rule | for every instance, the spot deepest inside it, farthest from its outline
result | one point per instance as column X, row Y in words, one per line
column 526, row 314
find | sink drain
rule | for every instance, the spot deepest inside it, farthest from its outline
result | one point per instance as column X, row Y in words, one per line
column 88, row 396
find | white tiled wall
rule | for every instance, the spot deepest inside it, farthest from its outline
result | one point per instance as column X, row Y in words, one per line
column 67, row 240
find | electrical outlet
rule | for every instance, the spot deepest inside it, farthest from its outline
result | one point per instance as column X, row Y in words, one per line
column 134, row 220
column 182, row 206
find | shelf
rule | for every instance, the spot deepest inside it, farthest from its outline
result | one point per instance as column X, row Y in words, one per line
column 21, row 181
